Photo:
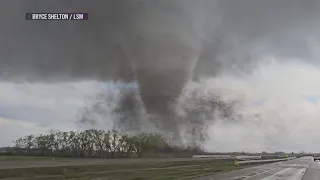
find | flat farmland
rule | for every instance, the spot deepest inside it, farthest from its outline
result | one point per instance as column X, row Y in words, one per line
column 121, row 169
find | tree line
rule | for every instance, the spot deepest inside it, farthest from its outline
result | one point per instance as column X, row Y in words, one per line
column 97, row 143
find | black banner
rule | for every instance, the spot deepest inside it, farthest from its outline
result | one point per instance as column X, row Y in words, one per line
column 57, row 16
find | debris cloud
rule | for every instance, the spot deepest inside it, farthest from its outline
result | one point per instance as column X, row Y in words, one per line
column 161, row 46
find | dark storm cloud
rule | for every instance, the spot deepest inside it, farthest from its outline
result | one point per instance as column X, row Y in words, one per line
column 282, row 27
column 93, row 49
column 159, row 44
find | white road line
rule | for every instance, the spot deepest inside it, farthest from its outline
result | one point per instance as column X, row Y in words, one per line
column 250, row 176
column 301, row 174
column 287, row 174
column 257, row 174
column 278, row 174
column 265, row 171
column 293, row 170
column 296, row 174
column 265, row 165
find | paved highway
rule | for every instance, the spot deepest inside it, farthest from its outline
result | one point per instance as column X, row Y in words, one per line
column 297, row 169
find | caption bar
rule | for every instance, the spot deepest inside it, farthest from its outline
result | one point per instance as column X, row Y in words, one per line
column 57, row 16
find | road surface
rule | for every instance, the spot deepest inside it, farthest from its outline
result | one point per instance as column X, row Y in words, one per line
column 297, row 169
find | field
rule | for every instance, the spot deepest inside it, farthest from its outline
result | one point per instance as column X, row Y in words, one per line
column 43, row 168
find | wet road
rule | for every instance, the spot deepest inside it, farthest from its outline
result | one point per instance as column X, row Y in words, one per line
column 297, row 169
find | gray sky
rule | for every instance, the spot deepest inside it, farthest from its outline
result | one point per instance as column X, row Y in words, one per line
column 279, row 108
column 266, row 58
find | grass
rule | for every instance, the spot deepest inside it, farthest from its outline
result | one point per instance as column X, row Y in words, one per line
column 29, row 158
column 140, row 171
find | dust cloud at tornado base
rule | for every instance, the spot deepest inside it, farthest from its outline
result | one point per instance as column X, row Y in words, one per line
column 160, row 45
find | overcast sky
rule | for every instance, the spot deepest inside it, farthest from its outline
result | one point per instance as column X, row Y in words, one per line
column 275, row 42
column 280, row 109
column 37, row 108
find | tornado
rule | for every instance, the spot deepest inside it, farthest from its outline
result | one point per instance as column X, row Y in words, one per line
column 161, row 45
column 156, row 44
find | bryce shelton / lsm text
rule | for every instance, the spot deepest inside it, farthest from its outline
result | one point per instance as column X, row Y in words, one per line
column 56, row 16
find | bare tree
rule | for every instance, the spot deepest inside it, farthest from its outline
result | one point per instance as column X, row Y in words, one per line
column 94, row 143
